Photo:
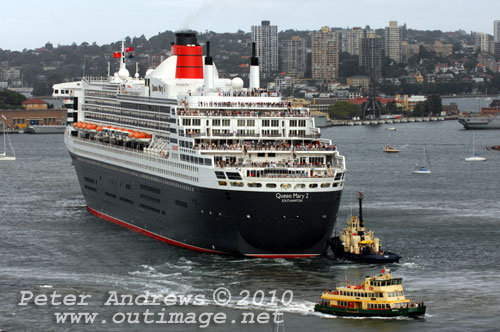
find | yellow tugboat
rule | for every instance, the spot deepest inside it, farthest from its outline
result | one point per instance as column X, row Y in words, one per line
column 355, row 243
column 377, row 296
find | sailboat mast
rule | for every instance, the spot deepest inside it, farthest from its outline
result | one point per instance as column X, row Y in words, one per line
column 360, row 198
column 473, row 144
column 4, row 146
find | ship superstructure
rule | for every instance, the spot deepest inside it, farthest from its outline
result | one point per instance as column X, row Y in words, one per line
column 202, row 162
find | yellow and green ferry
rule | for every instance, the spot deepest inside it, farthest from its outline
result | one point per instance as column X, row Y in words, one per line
column 377, row 296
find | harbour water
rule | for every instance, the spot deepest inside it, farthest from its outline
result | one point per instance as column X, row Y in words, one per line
column 445, row 225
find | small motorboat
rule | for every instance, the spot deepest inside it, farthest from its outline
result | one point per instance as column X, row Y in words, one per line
column 390, row 149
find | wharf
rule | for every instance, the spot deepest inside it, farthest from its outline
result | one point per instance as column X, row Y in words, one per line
column 389, row 121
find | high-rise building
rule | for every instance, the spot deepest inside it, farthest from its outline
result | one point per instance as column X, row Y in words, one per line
column 370, row 54
column 351, row 39
column 393, row 39
column 496, row 30
column 293, row 56
column 482, row 42
column 325, row 55
column 265, row 37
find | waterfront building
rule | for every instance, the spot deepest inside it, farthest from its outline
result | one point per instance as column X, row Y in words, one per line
column 393, row 39
column 35, row 104
column 265, row 37
column 293, row 56
column 21, row 118
column 325, row 55
column 370, row 54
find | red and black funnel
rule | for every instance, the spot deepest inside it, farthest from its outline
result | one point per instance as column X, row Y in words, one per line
column 189, row 56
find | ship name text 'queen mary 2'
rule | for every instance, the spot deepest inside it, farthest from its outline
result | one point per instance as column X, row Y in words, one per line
column 203, row 162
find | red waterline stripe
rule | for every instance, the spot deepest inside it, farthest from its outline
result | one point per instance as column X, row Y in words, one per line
column 150, row 234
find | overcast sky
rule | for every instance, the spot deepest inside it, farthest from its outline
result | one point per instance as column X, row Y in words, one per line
column 32, row 23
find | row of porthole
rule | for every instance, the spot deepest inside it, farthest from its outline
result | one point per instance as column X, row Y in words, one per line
column 274, row 185
column 248, row 216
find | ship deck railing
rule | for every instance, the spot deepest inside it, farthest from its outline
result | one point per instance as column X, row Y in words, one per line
column 137, row 153
column 251, row 135
column 249, row 93
column 264, row 147
column 278, row 112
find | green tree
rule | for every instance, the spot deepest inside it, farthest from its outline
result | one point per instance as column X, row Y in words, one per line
column 10, row 99
column 344, row 110
column 434, row 105
column 420, row 109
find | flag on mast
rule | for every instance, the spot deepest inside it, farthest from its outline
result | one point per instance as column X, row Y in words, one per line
column 129, row 49
column 117, row 55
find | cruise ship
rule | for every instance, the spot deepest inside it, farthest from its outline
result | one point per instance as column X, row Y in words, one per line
column 202, row 162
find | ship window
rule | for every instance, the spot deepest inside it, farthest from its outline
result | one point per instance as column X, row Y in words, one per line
column 181, row 203
column 150, row 208
column 236, row 184
column 265, row 123
column 261, row 154
column 226, row 123
column 313, row 185
column 255, row 184
column 275, row 123
column 250, row 123
column 220, row 175
column 126, row 200
column 271, row 185
column 222, row 183
column 325, row 185
column 241, row 123
column 300, row 185
column 233, row 176
column 89, row 180
column 286, row 186
column 90, row 188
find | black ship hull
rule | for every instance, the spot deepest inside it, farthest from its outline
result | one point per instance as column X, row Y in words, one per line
column 383, row 257
column 259, row 224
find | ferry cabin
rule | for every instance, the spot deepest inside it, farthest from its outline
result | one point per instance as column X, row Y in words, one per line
column 371, row 295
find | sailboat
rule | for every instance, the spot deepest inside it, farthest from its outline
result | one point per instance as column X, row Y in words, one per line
column 3, row 155
column 424, row 169
column 475, row 156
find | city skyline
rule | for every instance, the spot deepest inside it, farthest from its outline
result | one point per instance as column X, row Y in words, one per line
column 64, row 23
